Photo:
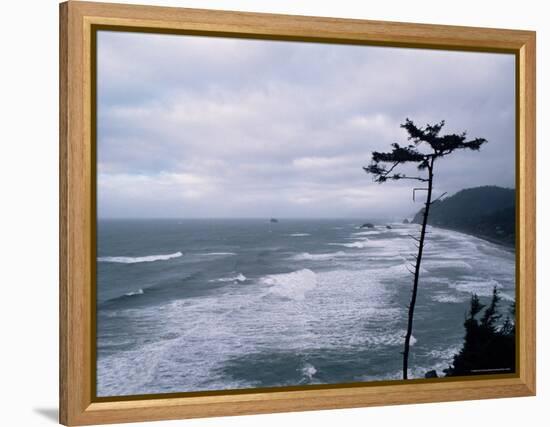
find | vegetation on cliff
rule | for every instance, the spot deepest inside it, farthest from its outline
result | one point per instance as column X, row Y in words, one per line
column 489, row 342
column 488, row 212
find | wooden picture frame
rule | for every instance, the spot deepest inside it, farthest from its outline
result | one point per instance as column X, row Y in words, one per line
column 78, row 21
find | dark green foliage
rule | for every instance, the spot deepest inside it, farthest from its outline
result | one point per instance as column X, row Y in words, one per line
column 489, row 347
column 487, row 212
column 475, row 306
column 426, row 138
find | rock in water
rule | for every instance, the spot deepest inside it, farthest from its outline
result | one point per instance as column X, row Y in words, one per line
column 367, row 225
column 388, row 227
column 405, row 221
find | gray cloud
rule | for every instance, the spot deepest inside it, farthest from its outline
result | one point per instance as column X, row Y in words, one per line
column 196, row 126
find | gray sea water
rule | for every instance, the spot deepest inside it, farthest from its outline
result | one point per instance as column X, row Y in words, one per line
column 196, row 305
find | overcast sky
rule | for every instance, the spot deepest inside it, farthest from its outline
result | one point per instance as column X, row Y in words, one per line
column 195, row 127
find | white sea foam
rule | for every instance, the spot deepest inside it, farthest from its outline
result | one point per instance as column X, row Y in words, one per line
column 388, row 339
column 480, row 287
column 447, row 298
column 308, row 371
column 357, row 245
column 238, row 278
column 337, row 309
column 366, row 233
column 306, row 256
column 291, row 285
column 436, row 264
column 138, row 292
column 442, row 358
column 445, row 354
column 299, row 234
column 134, row 260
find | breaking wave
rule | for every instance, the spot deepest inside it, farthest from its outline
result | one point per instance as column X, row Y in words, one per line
column 357, row 245
column 135, row 260
column 291, row 285
column 238, row 278
column 138, row 292
column 306, row 256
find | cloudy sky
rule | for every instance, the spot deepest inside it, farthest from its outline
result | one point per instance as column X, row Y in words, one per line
column 194, row 127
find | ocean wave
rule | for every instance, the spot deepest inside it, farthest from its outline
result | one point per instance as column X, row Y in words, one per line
column 358, row 245
column 447, row 298
column 299, row 234
column 445, row 354
column 352, row 303
column 441, row 360
column 306, row 256
column 439, row 264
column 366, row 233
column 480, row 287
column 238, row 278
column 291, row 285
column 135, row 260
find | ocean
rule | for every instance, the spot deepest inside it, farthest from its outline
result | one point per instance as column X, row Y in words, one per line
column 213, row 304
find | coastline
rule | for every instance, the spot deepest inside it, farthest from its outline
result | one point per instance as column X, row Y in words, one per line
column 504, row 244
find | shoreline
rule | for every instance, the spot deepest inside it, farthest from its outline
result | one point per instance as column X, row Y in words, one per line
column 505, row 245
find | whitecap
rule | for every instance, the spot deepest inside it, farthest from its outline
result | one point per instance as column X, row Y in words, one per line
column 447, row 298
column 308, row 371
column 480, row 287
column 238, row 278
column 299, row 234
column 389, row 339
column 306, row 256
column 357, row 245
column 134, row 260
column 138, row 292
column 445, row 354
column 437, row 264
column 291, row 285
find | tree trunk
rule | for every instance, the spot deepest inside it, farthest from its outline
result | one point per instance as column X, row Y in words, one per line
column 417, row 270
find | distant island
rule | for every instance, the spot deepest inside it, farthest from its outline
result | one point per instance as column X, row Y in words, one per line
column 487, row 212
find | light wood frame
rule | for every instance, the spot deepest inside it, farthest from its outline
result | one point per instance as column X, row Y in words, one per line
column 78, row 404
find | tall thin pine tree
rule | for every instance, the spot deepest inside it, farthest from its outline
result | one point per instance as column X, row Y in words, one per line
column 424, row 148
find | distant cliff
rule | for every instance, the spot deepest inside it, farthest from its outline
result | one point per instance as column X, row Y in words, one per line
column 487, row 212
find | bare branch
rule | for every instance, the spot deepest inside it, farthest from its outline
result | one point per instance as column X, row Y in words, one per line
column 412, row 177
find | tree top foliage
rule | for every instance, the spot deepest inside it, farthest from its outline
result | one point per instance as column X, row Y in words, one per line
column 426, row 145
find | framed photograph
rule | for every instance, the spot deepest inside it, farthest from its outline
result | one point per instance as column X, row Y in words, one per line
column 264, row 213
